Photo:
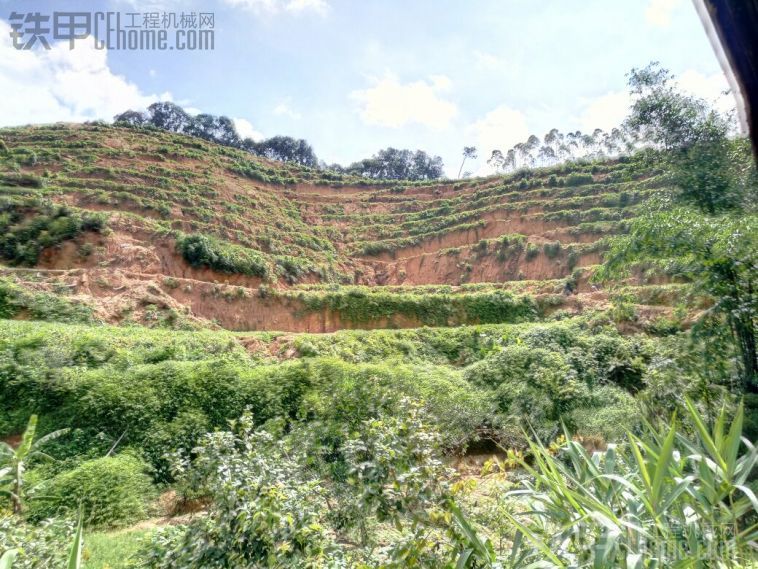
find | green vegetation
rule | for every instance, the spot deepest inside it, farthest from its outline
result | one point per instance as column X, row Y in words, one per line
column 226, row 206
column 114, row 550
column 42, row 545
column 711, row 235
column 562, row 415
column 362, row 305
column 27, row 227
column 668, row 495
column 14, row 462
column 16, row 300
column 109, row 491
column 204, row 251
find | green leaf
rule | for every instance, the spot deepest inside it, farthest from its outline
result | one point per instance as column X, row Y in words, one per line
column 543, row 547
column 6, row 561
column 28, row 439
column 733, row 440
column 463, row 558
column 705, row 436
column 75, row 553
column 664, row 460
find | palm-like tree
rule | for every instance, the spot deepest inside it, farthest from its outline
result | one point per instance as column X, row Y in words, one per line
column 13, row 461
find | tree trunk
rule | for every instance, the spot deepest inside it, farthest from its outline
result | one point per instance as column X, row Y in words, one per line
column 745, row 332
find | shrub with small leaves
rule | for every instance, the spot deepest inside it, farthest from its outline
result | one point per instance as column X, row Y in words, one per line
column 38, row 546
column 113, row 491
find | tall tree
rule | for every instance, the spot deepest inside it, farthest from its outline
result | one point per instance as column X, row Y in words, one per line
column 706, row 229
column 288, row 149
column 169, row 116
column 469, row 152
column 695, row 137
column 399, row 164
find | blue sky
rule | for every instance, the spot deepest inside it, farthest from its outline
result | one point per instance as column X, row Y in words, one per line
column 354, row 76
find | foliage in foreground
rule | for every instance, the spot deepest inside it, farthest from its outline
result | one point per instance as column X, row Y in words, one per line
column 36, row 546
column 668, row 498
column 285, row 503
column 13, row 461
column 164, row 390
column 383, row 499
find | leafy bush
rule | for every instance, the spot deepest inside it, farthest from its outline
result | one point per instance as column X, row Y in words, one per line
column 266, row 510
column 578, row 179
column 532, row 250
column 39, row 546
column 16, row 299
column 610, row 413
column 274, row 504
column 26, row 228
column 533, row 385
column 206, row 251
column 113, row 491
column 552, row 249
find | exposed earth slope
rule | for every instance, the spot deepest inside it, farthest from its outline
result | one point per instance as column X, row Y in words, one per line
column 137, row 225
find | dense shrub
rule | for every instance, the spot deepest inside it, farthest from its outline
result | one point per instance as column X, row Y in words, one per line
column 292, row 268
column 532, row 385
column 165, row 389
column 277, row 501
column 363, row 305
column 16, row 299
column 39, row 546
column 28, row 227
column 578, row 179
column 207, row 251
column 611, row 413
column 552, row 249
column 111, row 491
column 532, row 250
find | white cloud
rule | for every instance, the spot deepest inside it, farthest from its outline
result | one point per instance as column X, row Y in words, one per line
column 658, row 12
column 59, row 84
column 708, row 87
column 283, row 109
column 394, row 104
column 499, row 129
column 606, row 111
column 440, row 82
column 319, row 7
column 246, row 130
column 486, row 60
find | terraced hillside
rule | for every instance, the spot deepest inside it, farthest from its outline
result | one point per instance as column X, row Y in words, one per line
column 138, row 225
